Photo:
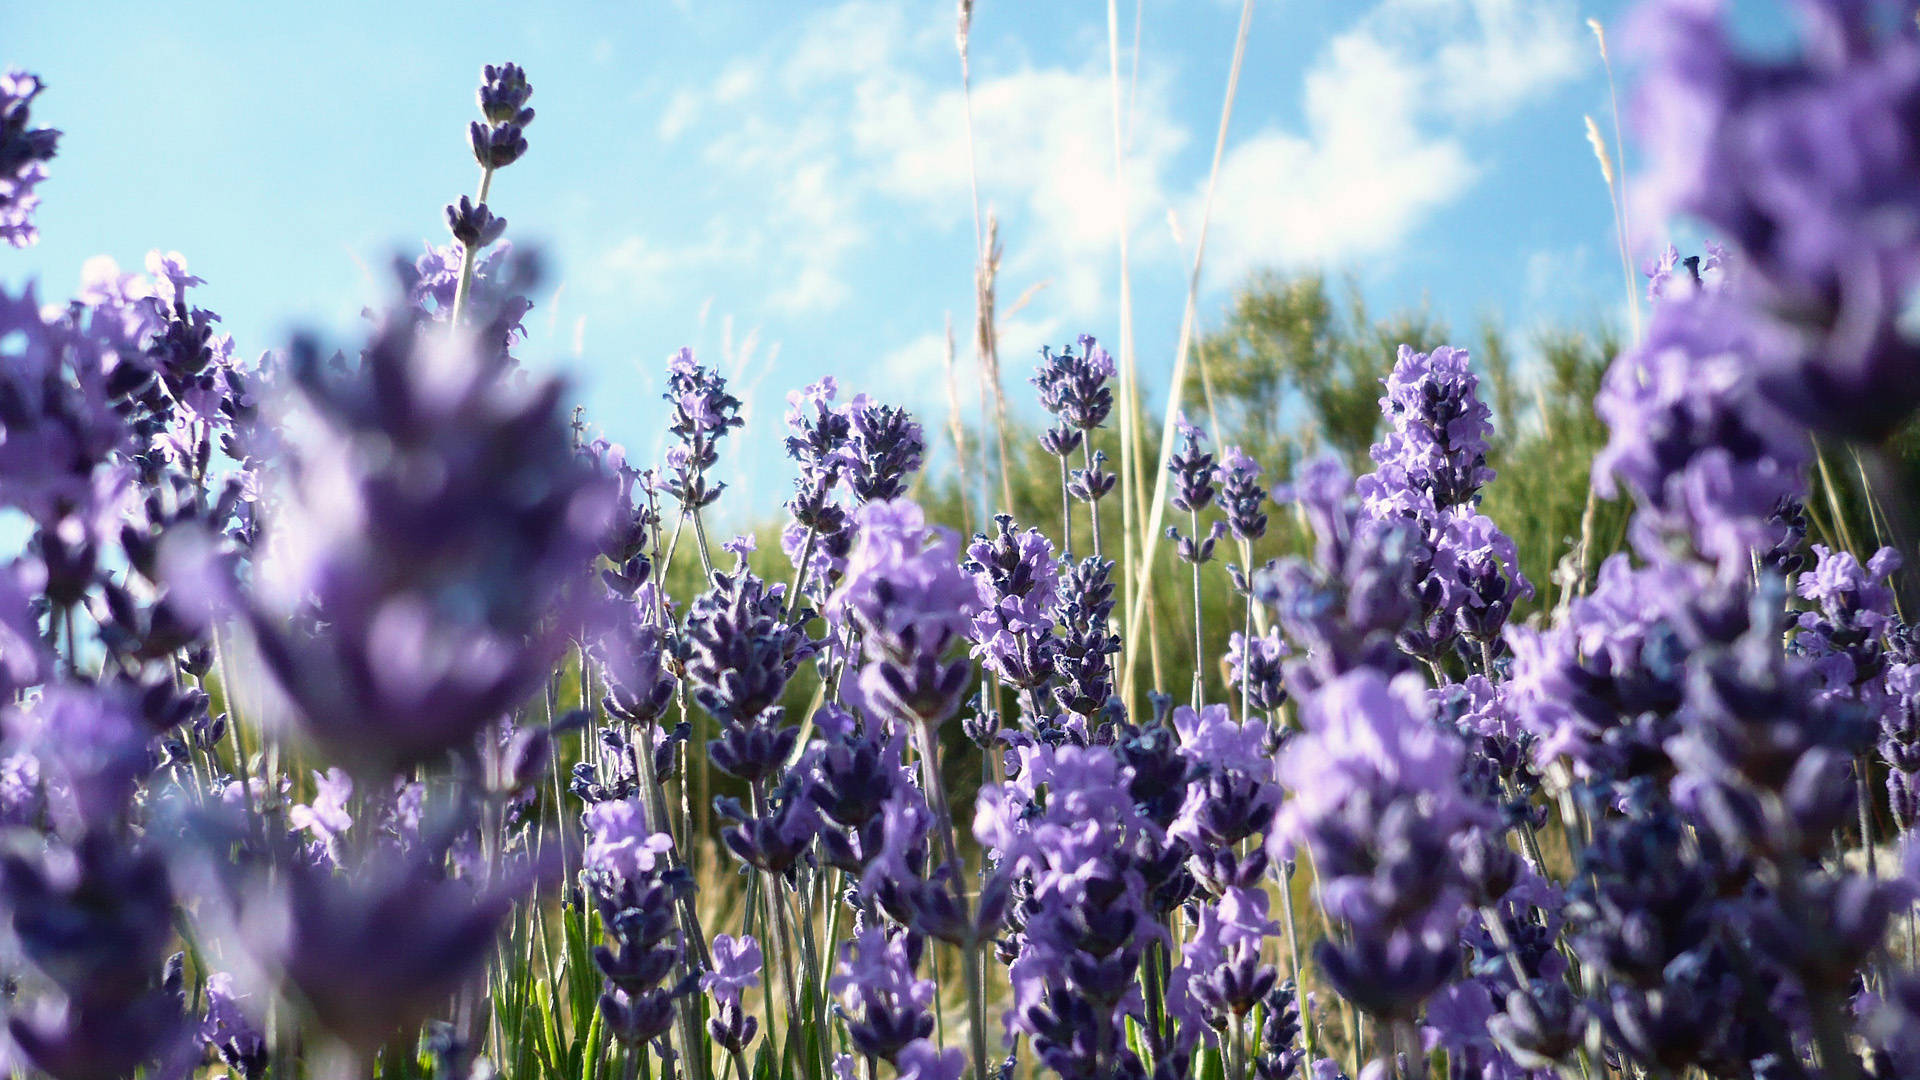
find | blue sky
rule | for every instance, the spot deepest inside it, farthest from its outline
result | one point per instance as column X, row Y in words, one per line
column 784, row 185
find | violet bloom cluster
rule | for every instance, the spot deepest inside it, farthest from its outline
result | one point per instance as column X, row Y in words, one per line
column 887, row 1006
column 1599, row 689
column 1345, row 607
column 1375, row 797
column 1086, row 642
column 1019, row 586
column 499, row 138
column 1807, row 161
column 24, row 152
column 1073, row 387
column 1432, row 463
column 1707, row 456
column 1845, row 635
column 1436, row 440
column 443, row 603
column 627, row 873
column 906, row 595
column 703, row 413
column 1067, row 826
column 737, row 963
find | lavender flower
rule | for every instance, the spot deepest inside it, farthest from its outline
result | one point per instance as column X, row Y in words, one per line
column 884, row 446
column 905, row 592
column 1241, row 494
column 24, row 152
column 1073, row 387
column 443, row 603
column 1375, row 795
column 1192, row 470
column 1256, row 663
column 626, row 871
column 886, row 1006
column 1222, row 976
column 1085, row 642
column 736, row 969
column 500, row 141
column 1437, row 440
column 1345, row 607
column 1845, row 635
column 1692, row 438
column 1018, row 582
column 703, row 413
column 1086, row 919
column 230, row 1030
column 1806, row 160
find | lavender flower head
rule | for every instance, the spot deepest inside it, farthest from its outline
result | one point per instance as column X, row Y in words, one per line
column 1018, row 580
column 1692, row 437
column 904, row 589
column 703, row 412
column 1376, row 796
column 1192, row 470
column 884, row 447
column 1346, row 605
column 1808, row 161
column 1257, row 663
column 436, row 519
column 621, row 844
column 24, row 152
column 736, row 969
column 886, row 1005
column 1439, row 427
column 500, row 140
column 1073, row 387
column 1241, row 494
column 230, row 1030
column 1846, row 634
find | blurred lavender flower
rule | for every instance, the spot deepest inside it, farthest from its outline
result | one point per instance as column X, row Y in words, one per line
column 1707, row 456
column 24, row 152
column 231, row 1031
column 373, row 951
column 905, row 592
column 437, row 522
column 1808, row 160
column 1345, row 607
column 1375, row 796
column 94, row 918
column 886, row 1006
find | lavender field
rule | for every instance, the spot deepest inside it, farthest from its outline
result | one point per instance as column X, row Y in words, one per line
column 1335, row 698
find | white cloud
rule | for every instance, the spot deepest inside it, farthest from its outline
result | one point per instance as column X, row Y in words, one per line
column 738, row 80
column 683, row 108
column 856, row 129
column 1388, row 106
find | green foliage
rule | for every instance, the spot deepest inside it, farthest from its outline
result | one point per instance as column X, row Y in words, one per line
column 1293, row 365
